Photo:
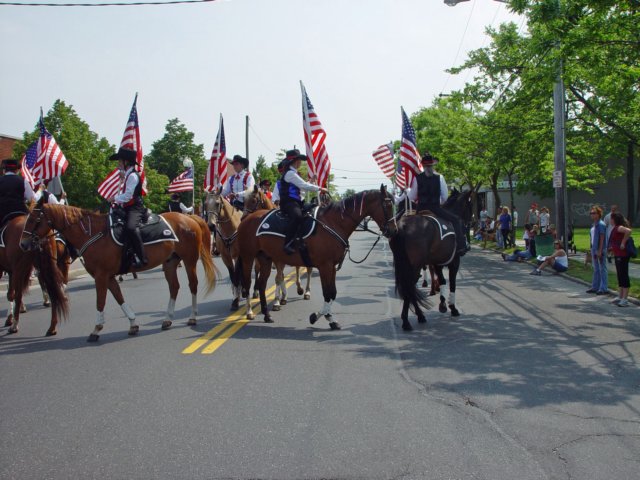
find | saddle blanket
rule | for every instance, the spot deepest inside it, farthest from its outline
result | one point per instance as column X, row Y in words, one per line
column 2, row 245
column 276, row 223
column 156, row 230
column 445, row 228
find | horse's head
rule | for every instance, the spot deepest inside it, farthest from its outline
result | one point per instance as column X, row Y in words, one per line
column 384, row 212
column 213, row 206
column 256, row 199
column 36, row 227
column 460, row 203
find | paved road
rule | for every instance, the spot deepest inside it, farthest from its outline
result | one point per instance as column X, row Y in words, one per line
column 535, row 380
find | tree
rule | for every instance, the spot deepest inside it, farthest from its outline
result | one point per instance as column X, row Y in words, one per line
column 87, row 153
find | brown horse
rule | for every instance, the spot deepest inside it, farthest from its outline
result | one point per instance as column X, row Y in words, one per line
column 421, row 241
column 224, row 218
column 88, row 233
column 326, row 247
column 19, row 264
column 257, row 200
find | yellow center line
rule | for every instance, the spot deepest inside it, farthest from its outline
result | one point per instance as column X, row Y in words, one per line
column 230, row 325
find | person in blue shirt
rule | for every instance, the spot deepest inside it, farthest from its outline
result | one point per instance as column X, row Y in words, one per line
column 598, row 235
column 290, row 189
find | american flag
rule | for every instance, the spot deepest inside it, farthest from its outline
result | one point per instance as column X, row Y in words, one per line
column 401, row 181
column 131, row 140
column 409, row 156
column 183, row 182
column 314, row 137
column 216, row 175
column 383, row 156
column 28, row 161
column 50, row 161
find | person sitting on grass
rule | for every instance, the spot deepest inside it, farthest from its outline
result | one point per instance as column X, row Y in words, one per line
column 558, row 260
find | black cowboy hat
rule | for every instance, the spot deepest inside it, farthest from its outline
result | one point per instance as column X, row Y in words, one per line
column 10, row 163
column 175, row 196
column 295, row 154
column 265, row 182
column 240, row 159
column 428, row 159
column 125, row 154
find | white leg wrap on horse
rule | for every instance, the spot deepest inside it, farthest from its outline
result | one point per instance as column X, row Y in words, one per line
column 194, row 305
column 452, row 298
column 11, row 307
column 99, row 318
column 128, row 311
column 444, row 291
column 171, row 308
column 326, row 308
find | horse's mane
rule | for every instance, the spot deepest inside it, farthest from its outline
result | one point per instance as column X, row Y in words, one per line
column 352, row 202
column 72, row 215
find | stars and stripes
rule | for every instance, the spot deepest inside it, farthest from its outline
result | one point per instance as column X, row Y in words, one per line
column 28, row 162
column 401, row 181
column 110, row 186
column 49, row 160
column 216, row 175
column 409, row 156
column 383, row 156
column 183, row 182
column 314, row 138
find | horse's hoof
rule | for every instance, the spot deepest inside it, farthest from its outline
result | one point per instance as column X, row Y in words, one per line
column 9, row 321
column 250, row 316
column 46, row 304
column 51, row 333
column 422, row 320
column 133, row 330
column 256, row 294
column 275, row 308
column 307, row 296
column 13, row 329
column 93, row 337
column 454, row 311
column 23, row 309
column 120, row 278
column 424, row 284
column 166, row 325
column 334, row 326
column 313, row 318
column 283, row 301
column 442, row 308
column 268, row 319
column 235, row 305
column 191, row 322
column 406, row 326
column 300, row 291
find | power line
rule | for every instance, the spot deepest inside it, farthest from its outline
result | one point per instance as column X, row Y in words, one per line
column 110, row 4
column 473, row 5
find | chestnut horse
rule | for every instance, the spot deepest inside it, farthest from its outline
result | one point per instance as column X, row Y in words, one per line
column 327, row 246
column 89, row 234
column 19, row 264
column 225, row 218
column 257, row 200
column 421, row 241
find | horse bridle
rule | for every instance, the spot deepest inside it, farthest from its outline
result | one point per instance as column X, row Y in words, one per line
column 36, row 240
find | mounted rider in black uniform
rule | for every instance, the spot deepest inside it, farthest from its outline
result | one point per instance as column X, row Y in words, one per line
column 14, row 191
column 430, row 190
column 130, row 198
column 289, row 188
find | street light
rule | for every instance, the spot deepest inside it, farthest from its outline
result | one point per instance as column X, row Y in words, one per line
column 188, row 163
column 453, row 3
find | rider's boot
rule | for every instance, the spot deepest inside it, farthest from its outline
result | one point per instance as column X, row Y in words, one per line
column 138, row 247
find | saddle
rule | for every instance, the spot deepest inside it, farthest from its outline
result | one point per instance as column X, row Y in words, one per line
column 276, row 223
column 444, row 227
column 154, row 230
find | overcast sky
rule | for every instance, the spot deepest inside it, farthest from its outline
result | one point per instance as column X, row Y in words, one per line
column 360, row 60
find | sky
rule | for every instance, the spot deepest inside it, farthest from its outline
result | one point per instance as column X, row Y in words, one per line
column 360, row 61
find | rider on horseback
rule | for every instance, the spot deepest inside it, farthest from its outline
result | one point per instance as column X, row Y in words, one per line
column 14, row 191
column 130, row 198
column 239, row 183
column 291, row 202
column 429, row 189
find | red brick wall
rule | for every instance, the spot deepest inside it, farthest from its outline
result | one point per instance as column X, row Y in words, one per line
column 6, row 147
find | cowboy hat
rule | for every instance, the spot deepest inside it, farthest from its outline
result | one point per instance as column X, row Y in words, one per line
column 428, row 159
column 10, row 163
column 240, row 159
column 125, row 154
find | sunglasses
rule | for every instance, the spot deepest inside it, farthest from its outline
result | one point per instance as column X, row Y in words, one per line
column 593, row 213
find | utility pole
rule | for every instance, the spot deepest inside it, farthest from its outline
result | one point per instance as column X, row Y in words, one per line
column 246, row 137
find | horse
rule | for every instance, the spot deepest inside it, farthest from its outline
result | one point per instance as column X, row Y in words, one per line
column 257, row 200
column 423, row 240
column 224, row 218
column 19, row 263
column 88, row 233
column 326, row 247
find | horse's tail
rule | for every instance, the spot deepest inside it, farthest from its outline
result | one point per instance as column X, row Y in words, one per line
column 52, row 278
column 405, row 273
column 210, row 270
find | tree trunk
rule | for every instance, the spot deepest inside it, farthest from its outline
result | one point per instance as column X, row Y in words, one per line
column 496, row 195
column 632, row 208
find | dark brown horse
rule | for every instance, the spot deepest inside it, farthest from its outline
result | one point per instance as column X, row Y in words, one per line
column 423, row 240
column 326, row 247
column 89, row 234
column 19, row 264
column 257, row 200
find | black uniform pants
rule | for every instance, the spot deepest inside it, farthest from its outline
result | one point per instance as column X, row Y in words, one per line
column 294, row 212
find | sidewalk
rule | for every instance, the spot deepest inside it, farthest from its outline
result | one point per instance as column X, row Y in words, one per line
column 76, row 270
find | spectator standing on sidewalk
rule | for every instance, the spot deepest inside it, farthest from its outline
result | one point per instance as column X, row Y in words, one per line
column 499, row 239
column 533, row 216
column 483, row 218
column 609, row 225
column 620, row 233
column 598, row 235
column 545, row 220
column 514, row 225
column 505, row 226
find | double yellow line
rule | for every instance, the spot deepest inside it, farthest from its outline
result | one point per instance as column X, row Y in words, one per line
column 229, row 326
